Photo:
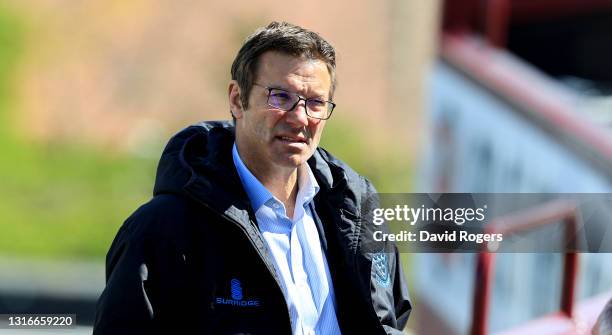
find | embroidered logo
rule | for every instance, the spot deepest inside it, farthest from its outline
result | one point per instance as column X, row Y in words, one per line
column 237, row 297
column 236, row 289
column 380, row 268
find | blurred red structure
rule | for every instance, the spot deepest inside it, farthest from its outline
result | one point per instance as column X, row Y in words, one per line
column 524, row 221
column 490, row 18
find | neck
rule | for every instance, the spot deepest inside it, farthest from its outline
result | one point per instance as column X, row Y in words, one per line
column 282, row 184
column 281, row 181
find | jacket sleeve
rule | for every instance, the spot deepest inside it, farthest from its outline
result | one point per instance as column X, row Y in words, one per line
column 401, row 299
column 124, row 307
column 392, row 301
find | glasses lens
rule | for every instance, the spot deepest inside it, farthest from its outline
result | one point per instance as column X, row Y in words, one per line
column 318, row 108
column 281, row 99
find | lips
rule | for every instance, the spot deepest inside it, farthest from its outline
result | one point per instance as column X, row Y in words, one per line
column 292, row 139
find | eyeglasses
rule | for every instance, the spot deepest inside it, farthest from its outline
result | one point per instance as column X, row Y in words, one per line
column 285, row 100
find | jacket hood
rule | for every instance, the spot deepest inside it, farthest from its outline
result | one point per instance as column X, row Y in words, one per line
column 195, row 151
column 198, row 161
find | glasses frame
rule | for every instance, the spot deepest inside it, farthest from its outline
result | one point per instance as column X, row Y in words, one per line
column 300, row 98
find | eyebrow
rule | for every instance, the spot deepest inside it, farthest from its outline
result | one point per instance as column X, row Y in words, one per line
column 316, row 96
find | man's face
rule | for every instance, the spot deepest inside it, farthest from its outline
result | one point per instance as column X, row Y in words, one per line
column 268, row 136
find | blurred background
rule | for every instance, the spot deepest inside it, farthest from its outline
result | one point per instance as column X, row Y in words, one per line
column 433, row 96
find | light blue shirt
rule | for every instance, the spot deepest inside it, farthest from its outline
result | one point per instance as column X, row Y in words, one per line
column 296, row 249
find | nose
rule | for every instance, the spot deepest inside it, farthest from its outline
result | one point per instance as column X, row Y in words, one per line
column 297, row 116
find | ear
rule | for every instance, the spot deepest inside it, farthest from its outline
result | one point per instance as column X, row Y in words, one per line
column 234, row 99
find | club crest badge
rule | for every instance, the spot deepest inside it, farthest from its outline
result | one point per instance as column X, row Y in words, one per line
column 380, row 269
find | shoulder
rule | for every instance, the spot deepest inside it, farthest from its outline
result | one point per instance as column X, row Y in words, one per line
column 159, row 227
column 339, row 170
column 165, row 215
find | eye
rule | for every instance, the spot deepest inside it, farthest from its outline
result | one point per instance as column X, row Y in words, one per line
column 279, row 95
column 316, row 103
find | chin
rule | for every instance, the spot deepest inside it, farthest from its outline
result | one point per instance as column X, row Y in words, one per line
column 291, row 158
column 292, row 161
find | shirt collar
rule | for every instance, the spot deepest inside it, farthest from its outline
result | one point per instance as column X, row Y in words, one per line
column 308, row 186
column 259, row 194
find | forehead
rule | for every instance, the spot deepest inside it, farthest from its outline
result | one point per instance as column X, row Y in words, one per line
column 295, row 73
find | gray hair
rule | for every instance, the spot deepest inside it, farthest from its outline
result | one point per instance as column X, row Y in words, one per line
column 285, row 38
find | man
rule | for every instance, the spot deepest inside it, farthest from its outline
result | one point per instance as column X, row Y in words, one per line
column 252, row 228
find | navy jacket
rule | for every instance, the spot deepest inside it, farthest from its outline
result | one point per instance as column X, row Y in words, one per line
column 192, row 259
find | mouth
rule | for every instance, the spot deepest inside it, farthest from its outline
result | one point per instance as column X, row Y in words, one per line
column 292, row 139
